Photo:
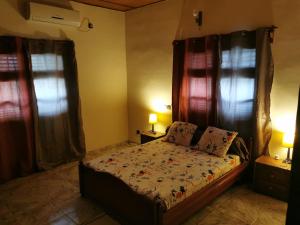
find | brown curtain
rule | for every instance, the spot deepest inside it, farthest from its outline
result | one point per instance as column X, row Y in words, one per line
column 16, row 121
column 264, row 81
column 58, row 127
column 194, row 80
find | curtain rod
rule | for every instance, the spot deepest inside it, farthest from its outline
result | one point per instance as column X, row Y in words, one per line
column 271, row 30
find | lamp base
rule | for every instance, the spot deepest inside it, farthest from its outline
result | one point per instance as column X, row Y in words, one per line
column 152, row 130
column 287, row 161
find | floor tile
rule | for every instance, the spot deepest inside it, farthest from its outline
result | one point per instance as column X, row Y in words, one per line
column 105, row 220
column 61, row 221
column 82, row 211
column 243, row 205
column 199, row 216
column 220, row 218
column 271, row 211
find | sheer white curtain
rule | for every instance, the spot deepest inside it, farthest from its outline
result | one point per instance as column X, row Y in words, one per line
column 237, row 90
column 50, row 88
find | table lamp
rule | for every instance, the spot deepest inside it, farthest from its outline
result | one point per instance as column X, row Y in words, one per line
column 288, row 141
column 152, row 121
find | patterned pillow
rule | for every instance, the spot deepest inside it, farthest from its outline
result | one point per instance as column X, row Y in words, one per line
column 181, row 133
column 216, row 141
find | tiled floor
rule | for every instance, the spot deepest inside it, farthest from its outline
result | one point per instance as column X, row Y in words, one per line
column 53, row 198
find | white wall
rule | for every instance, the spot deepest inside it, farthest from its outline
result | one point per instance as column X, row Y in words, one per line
column 149, row 34
column 286, row 52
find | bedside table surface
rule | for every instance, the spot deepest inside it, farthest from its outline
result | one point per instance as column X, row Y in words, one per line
column 154, row 135
column 267, row 160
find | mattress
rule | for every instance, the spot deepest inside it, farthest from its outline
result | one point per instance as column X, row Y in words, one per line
column 163, row 170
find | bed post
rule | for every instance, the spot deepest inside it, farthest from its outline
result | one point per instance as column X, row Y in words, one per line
column 81, row 175
column 158, row 214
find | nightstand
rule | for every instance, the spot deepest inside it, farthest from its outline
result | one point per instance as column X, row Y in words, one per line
column 147, row 136
column 272, row 177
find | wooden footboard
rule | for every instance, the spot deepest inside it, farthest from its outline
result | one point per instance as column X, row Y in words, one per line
column 119, row 200
column 131, row 208
column 183, row 210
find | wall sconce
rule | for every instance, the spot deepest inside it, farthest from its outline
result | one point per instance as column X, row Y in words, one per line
column 288, row 141
column 198, row 17
column 152, row 121
column 86, row 25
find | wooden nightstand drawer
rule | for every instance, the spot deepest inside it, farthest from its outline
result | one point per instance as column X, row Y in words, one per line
column 272, row 177
column 272, row 174
column 278, row 191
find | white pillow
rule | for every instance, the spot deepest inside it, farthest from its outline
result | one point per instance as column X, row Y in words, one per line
column 181, row 133
column 216, row 141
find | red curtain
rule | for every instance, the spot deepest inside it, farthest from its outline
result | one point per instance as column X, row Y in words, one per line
column 16, row 120
column 195, row 72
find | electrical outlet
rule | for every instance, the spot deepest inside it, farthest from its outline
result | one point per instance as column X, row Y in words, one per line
column 138, row 131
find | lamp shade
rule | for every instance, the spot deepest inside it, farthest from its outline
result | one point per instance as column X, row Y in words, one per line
column 152, row 118
column 288, row 140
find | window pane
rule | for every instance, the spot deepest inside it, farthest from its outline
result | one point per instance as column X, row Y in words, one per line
column 51, row 96
column 199, row 87
column 201, row 60
column 9, row 101
column 8, row 63
column 46, row 62
column 239, row 89
column 238, row 58
column 237, row 96
column 50, row 91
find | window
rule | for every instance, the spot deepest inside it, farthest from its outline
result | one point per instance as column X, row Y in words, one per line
column 200, row 95
column 242, row 94
column 50, row 88
column 201, row 60
column 238, row 58
column 237, row 90
column 9, row 91
column 9, row 101
column 8, row 63
column 200, row 81
column 46, row 62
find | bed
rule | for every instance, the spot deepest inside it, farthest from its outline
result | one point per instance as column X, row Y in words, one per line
column 157, row 183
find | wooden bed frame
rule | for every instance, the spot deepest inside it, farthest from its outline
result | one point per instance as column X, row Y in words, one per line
column 131, row 208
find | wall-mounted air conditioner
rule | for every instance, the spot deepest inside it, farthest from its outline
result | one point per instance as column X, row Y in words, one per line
column 52, row 14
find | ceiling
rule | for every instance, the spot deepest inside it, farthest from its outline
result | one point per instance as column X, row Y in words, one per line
column 120, row 5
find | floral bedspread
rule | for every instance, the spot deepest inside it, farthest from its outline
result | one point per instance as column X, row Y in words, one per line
column 163, row 170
